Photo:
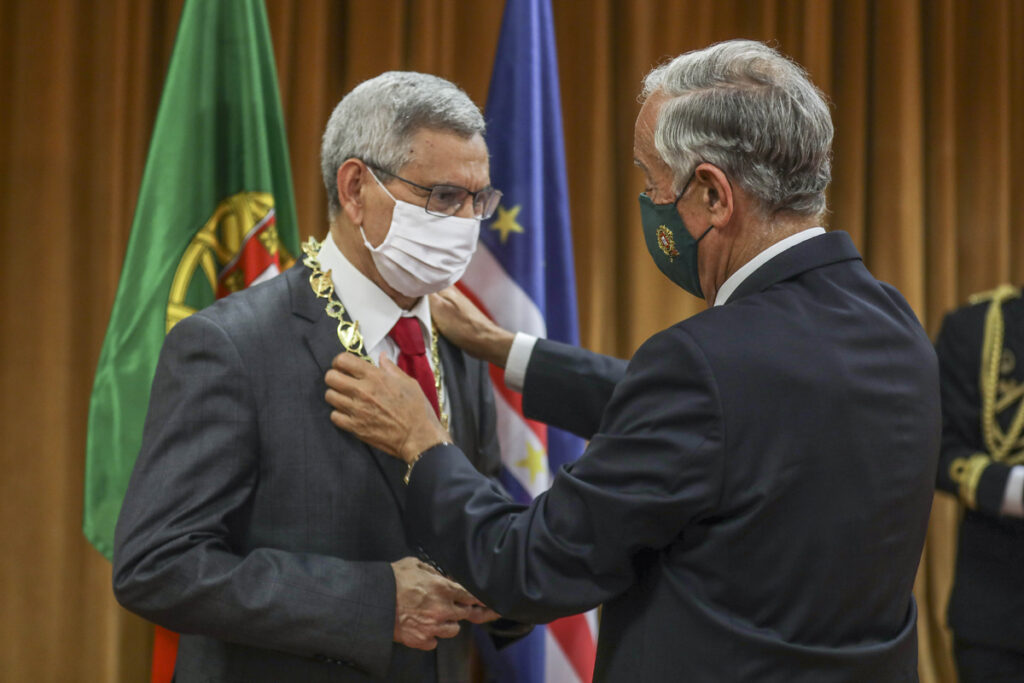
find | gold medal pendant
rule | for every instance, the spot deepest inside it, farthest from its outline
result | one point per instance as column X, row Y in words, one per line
column 348, row 334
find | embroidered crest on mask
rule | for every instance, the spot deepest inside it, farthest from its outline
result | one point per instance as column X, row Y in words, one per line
column 667, row 243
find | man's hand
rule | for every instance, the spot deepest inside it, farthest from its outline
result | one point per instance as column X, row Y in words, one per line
column 467, row 327
column 429, row 606
column 382, row 406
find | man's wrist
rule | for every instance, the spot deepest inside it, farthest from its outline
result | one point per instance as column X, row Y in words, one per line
column 411, row 462
column 498, row 346
column 422, row 439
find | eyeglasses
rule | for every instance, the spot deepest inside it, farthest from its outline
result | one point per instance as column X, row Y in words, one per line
column 447, row 200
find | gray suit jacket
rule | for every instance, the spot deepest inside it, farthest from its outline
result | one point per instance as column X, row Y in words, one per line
column 255, row 527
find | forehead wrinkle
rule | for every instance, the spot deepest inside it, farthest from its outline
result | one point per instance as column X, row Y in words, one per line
column 430, row 176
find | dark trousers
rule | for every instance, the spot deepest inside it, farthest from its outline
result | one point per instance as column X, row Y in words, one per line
column 982, row 664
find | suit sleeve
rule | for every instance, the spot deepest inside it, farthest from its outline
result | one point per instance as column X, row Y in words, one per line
column 654, row 466
column 966, row 469
column 502, row 631
column 177, row 560
column 569, row 387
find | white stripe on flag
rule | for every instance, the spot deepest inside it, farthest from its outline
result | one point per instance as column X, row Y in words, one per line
column 270, row 272
column 504, row 299
column 519, row 449
column 556, row 665
column 592, row 623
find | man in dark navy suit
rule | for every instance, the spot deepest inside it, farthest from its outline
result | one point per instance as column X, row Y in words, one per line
column 753, row 501
column 982, row 463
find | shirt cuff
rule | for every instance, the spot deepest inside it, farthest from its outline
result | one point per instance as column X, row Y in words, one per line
column 518, row 359
column 1013, row 500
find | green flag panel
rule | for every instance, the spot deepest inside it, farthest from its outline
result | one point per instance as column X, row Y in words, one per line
column 215, row 213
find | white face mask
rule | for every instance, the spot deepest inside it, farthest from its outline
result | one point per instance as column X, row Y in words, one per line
column 422, row 253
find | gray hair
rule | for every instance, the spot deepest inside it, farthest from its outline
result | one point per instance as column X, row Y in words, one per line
column 749, row 110
column 375, row 121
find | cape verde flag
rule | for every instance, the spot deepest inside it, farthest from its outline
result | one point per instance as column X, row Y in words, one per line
column 522, row 276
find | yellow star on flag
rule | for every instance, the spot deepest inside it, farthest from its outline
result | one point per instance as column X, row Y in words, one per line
column 534, row 461
column 506, row 222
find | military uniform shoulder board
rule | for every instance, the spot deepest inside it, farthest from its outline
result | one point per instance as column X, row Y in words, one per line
column 1002, row 292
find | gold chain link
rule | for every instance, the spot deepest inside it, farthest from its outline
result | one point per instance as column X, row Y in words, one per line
column 348, row 332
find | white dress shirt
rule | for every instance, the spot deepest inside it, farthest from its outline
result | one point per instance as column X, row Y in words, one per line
column 375, row 311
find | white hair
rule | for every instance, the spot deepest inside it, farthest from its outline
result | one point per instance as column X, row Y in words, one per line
column 375, row 121
column 749, row 110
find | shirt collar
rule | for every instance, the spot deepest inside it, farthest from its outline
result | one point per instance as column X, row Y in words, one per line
column 744, row 271
column 365, row 302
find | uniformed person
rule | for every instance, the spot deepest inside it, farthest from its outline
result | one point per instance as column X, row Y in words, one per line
column 981, row 365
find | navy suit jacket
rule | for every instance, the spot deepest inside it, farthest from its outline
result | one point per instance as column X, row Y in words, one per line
column 987, row 603
column 753, row 501
column 255, row 527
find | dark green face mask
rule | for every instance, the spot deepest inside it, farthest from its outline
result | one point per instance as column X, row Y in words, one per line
column 671, row 245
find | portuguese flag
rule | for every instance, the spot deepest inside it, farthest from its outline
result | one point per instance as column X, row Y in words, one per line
column 215, row 214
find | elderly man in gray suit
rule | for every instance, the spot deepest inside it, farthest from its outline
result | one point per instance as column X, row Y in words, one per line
column 270, row 539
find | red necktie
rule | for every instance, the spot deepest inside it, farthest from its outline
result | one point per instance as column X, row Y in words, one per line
column 412, row 358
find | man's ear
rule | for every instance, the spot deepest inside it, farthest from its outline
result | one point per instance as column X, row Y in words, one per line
column 717, row 197
column 351, row 178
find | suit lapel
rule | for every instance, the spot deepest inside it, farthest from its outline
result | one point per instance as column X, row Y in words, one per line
column 323, row 343
column 823, row 250
column 321, row 335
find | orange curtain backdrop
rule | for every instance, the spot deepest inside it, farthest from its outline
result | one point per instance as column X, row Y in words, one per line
column 927, row 168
